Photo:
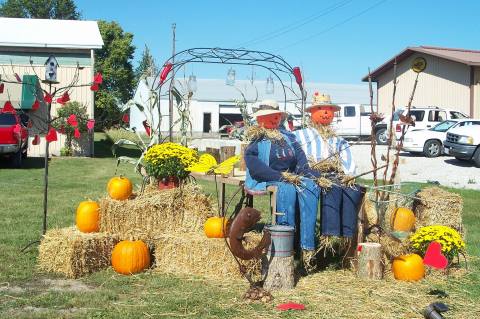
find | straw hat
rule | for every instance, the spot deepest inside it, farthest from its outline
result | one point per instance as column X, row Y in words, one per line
column 267, row 107
column 320, row 100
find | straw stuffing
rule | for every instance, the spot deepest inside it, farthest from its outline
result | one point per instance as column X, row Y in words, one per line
column 256, row 132
column 72, row 253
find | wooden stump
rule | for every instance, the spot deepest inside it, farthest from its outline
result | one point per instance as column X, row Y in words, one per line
column 215, row 152
column 243, row 165
column 369, row 261
column 225, row 153
column 278, row 273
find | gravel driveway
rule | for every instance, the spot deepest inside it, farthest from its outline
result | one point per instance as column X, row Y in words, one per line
column 444, row 169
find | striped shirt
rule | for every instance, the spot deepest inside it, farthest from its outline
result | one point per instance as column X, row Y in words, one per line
column 316, row 148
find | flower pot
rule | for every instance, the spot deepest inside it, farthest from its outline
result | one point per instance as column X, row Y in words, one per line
column 168, row 182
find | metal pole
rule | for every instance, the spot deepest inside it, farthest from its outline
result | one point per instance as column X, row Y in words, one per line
column 45, row 175
column 172, row 82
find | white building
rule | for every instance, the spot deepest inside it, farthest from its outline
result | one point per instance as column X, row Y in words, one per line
column 214, row 103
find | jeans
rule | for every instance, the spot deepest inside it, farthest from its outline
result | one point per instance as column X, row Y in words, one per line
column 339, row 211
column 308, row 196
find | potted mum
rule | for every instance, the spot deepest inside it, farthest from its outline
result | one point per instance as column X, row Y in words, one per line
column 166, row 162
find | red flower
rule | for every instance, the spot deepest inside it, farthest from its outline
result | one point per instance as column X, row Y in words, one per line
column 36, row 140
column 48, row 98
column 126, row 118
column 8, row 107
column 98, row 79
column 94, row 87
column 72, row 120
column 90, row 124
column 35, row 105
column 76, row 133
column 51, row 135
column 2, row 86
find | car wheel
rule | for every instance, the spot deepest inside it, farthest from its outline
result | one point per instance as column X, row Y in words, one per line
column 432, row 148
column 476, row 157
column 17, row 159
column 381, row 136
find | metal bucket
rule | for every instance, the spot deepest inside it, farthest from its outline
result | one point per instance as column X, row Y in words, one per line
column 282, row 240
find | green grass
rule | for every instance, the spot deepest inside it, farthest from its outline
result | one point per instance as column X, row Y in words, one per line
column 24, row 293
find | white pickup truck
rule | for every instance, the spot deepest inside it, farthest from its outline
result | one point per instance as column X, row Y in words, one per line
column 464, row 143
column 353, row 120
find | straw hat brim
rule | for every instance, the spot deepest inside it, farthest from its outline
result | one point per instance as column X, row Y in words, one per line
column 266, row 112
column 334, row 106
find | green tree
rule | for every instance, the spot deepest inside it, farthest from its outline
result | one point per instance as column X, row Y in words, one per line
column 60, row 122
column 40, row 9
column 147, row 66
column 114, row 61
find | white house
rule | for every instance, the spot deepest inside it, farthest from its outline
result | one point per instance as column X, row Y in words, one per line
column 25, row 46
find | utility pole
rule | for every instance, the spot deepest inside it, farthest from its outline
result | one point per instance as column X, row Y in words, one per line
column 172, row 83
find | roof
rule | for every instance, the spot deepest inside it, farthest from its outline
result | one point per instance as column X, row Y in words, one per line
column 47, row 33
column 468, row 57
column 215, row 90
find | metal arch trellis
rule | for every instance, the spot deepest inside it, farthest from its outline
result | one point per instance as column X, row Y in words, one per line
column 273, row 63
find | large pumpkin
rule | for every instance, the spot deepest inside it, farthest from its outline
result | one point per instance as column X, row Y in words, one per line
column 403, row 219
column 119, row 187
column 270, row 121
column 130, row 257
column 323, row 115
column 408, row 267
column 88, row 217
column 214, row 227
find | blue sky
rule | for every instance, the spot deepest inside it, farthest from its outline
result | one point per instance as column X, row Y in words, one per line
column 333, row 41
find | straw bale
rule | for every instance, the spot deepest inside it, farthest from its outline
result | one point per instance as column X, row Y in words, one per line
column 195, row 254
column 392, row 247
column 436, row 206
column 72, row 253
column 154, row 212
column 370, row 212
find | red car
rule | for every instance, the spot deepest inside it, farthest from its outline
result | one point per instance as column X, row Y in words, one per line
column 13, row 138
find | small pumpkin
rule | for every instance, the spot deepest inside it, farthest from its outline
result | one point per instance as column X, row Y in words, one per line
column 214, row 227
column 408, row 267
column 119, row 187
column 130, row 257
column 403, row 219
column 88, row 217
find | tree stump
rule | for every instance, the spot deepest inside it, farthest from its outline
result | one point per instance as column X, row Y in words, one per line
column 278, row 273
column 225, row 153
column 369, row 261
column 243, row 165
column 215, row 152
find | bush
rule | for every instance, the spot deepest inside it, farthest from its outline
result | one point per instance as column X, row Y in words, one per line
column 60, row 122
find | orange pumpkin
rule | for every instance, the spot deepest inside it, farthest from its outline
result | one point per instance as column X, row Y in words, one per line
column 130, row 257
column 408, row 267
column 214, row 227
column 403, row 219
column 270, row 121
column 119, row 187
column 323, row 115
column 88, row 217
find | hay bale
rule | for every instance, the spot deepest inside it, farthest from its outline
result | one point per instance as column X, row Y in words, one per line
column 155, row 212
column 436, row 206
column 195, row 254
column 72, row 253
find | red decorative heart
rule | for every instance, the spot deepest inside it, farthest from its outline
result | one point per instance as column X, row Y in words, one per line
column 94, row 87
column 36, row 140
column 290, row 306
column 51, row 135
column 72, row 120
column 76, row 133
column 35, row 105
column 90, row 124
column 47, row 98
column 98, row 79
column 125, row 118
column 433, row 256
column 8, row 107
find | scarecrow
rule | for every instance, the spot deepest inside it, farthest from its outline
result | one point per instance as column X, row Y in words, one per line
column 332, row 158
column 274, row 157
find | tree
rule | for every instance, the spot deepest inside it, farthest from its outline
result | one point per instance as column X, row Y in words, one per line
column 40, row 9
column 147, row 66
column 114, row 61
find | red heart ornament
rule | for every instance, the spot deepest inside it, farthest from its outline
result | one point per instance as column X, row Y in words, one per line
column 94, row 87
column 51, row 135
column 433, row 256
column 125, row 118
column 76, row 133
column 35, row 105
column 90, row 124
column 48, row 98
column 8, row 107
column 72, row 120
column 290, row 306
column 36, row 140
column 98, row 79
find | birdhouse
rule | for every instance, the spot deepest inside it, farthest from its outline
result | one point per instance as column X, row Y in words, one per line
column 51, row 69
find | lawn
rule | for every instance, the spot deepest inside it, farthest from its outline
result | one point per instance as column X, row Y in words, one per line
column 27, row 293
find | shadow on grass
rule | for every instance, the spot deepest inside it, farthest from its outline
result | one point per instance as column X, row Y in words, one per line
column 103, row 149
column 28, row 163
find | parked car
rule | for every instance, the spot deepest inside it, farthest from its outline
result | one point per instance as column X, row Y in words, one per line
column 13, row 138
column 430, row 141
column 464, row 143
column 353, row 120
column 423, row 117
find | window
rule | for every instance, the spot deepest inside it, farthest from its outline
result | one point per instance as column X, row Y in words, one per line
column 417, row 115
column 457, row 115
column 7, row 119
column 437, row 116
column 469, row 123
column 444, row 126
column 349, row 111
